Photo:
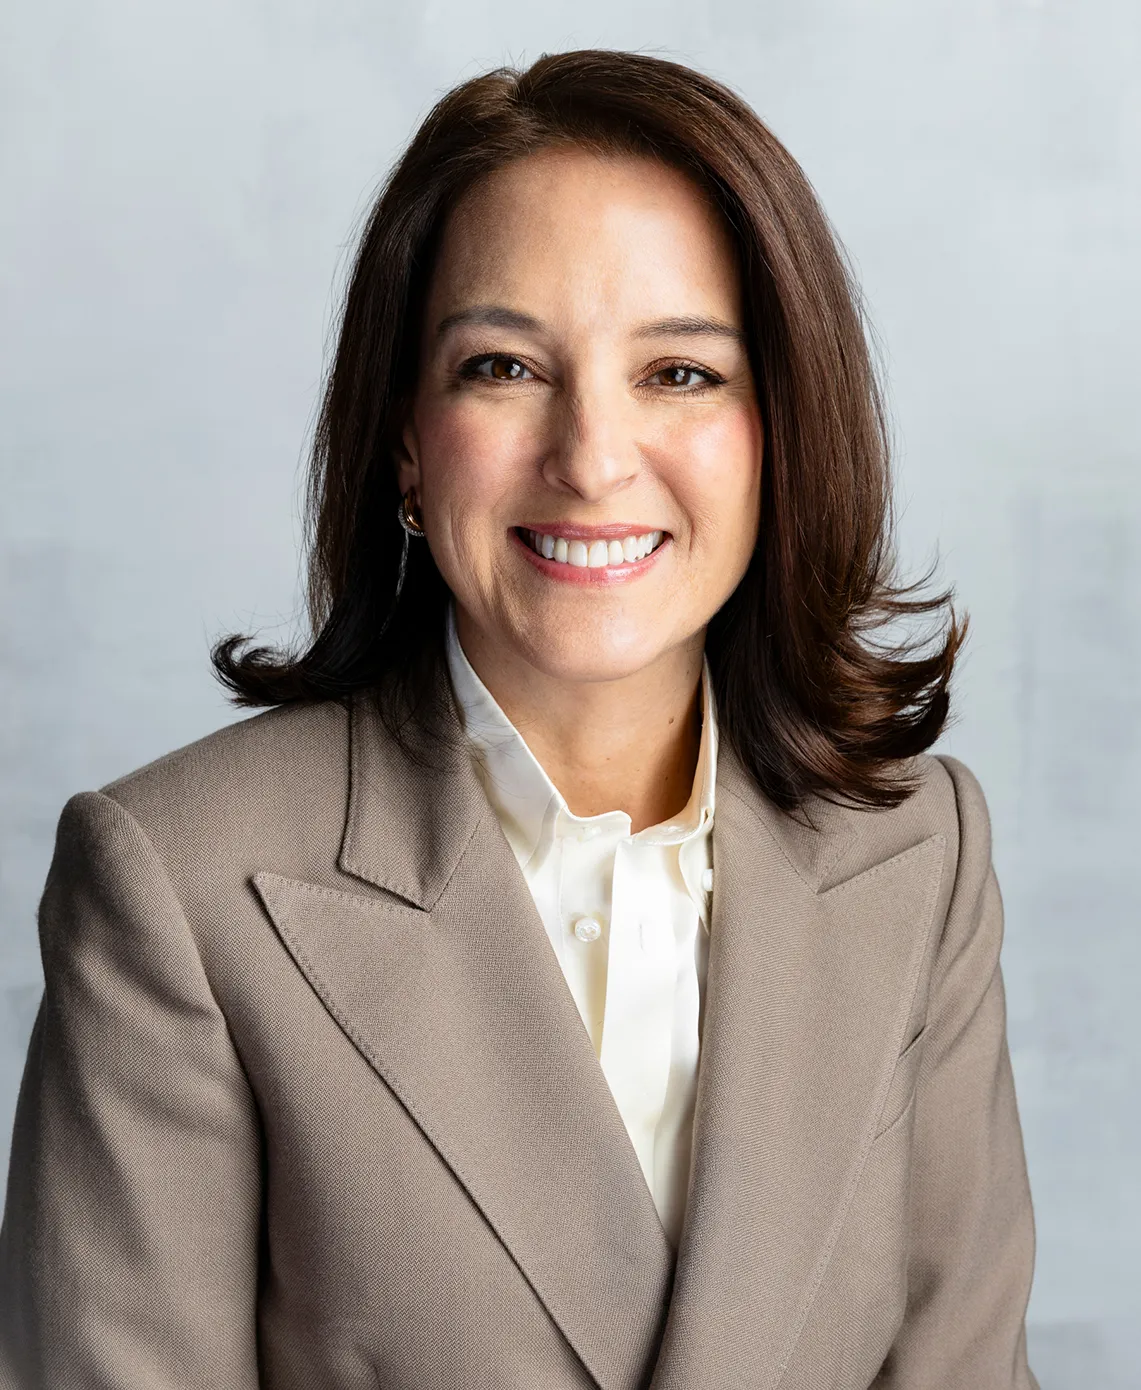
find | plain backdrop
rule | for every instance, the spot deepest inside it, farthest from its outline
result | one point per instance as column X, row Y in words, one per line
column 181, row 185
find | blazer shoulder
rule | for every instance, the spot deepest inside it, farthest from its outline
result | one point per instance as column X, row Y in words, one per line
column 969, row 799
column 947, row 796
column 282, row 763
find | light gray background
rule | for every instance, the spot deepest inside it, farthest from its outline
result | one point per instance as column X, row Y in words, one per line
column 180, row 187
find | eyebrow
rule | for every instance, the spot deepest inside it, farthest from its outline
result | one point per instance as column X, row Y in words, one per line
column 691, row 326
column 490, row 315
column 497, row 316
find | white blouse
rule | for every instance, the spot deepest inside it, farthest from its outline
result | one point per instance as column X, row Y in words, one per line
column 628, row 918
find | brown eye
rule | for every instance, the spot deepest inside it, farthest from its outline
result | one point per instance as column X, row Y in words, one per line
column 496, row 368
column 687, row 378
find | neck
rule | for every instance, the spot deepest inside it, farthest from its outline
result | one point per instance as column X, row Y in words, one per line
column 630, row 744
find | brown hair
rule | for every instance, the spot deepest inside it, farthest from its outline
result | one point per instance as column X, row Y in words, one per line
column 806, row 695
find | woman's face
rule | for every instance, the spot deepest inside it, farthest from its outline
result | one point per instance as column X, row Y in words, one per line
column 583, row 377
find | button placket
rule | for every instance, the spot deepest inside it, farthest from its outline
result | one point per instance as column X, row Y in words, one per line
column 638, row 1020
column 584, row 888
column 583, row 916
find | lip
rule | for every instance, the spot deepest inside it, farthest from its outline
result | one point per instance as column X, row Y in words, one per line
column 583, row 574
column 616, row 531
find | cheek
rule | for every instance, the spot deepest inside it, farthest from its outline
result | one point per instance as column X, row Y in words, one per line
column 470, row 463
column 468, row 453
column 719, row 473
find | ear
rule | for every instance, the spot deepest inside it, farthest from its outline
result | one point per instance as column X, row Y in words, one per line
column 406, row 455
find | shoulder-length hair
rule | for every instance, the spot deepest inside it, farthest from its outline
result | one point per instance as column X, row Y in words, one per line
column 811, row 693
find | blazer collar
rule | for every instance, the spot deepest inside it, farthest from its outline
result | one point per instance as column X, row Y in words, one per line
column 446, row 982
column 411, row 814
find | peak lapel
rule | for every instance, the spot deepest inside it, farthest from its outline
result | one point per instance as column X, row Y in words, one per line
column 809, row 990
column 447, row 984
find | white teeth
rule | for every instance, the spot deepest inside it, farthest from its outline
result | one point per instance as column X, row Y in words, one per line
column 598, row 553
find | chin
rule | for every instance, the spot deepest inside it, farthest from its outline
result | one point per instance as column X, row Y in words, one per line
column 590, row 659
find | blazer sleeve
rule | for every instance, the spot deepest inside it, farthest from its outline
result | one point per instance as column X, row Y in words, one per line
column 128, row 1246
column 971, row 1223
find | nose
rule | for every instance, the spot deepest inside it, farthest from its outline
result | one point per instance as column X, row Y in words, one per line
column 595, row 451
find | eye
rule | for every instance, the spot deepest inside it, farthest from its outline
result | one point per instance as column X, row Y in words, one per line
column 684, row 377
column 500, row 368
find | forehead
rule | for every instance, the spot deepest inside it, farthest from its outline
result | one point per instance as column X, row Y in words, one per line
column 623, row 232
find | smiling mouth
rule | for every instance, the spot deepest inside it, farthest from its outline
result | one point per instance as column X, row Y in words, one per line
column 588, row 554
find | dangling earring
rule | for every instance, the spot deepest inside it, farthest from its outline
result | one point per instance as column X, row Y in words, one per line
column 412, row 526
column 412, row 522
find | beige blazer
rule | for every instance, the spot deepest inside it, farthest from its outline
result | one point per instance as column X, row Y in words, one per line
column 308, row 1104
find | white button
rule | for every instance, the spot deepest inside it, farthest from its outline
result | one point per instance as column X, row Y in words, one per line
column 588, row 929
column 707, row 881
column 589, row 832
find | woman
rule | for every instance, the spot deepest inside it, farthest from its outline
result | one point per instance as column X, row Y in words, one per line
column 580, row 976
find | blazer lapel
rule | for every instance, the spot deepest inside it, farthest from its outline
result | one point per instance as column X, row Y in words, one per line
column 447, row 984
column 810, row 989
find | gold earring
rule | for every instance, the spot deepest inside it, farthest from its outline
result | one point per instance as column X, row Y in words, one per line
column 411, row 521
